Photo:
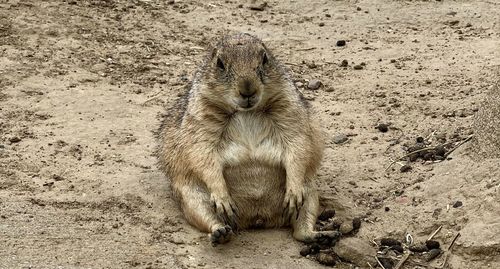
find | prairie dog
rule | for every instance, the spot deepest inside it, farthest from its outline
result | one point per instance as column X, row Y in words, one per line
column 241, row 148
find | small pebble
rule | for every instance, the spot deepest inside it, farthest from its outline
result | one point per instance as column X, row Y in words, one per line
column 358, row 67
column 383, row 127
column 346, row 227
column 457, row 204
column 344, row 63
column 314, row 84
column 340, row 43
column 326, row 259
column 306, row 250
column 258, row 6
column 340, row 138
column 310, row 249
column 321, row 24
column 405, row 168
column 386, row 209
column 420, row 139
column 57, row 177
column 14, row 139
column 440, row 151
column 356, row 223
column 355, row 250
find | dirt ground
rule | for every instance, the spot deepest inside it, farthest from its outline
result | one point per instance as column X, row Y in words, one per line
column 83, row 83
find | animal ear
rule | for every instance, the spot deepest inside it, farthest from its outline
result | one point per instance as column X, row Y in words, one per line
column 220, row 64
column 265, row 59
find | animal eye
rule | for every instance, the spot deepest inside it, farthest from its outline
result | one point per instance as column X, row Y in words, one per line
column 265, row 59
column 220, row 64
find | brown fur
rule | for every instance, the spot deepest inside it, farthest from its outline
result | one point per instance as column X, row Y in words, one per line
column 233, row 166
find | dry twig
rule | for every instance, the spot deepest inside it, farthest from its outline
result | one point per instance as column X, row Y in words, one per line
column 457, row 146
column 379, row 263
column 432, row 148
column 453, row 241
column 402, row 261
column 435, row 232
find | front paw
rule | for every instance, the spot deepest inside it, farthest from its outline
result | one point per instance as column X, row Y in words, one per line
column 294, row 199
column 221, row 235
column 225, row 208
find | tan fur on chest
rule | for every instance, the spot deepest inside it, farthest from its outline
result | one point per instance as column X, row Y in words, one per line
column 251, row 137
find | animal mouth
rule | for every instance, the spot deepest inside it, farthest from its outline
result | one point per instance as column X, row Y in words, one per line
column 247, row 103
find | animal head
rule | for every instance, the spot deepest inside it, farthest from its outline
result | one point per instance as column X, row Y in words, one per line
column 241, row 71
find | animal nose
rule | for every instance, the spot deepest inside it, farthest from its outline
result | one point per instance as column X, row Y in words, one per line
column 246, row 89
column 247, row 94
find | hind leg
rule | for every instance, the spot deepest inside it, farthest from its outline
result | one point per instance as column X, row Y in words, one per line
column 199, row 212
column 303, row 224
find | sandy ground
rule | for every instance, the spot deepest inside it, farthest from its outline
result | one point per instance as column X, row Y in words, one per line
column 82, row 85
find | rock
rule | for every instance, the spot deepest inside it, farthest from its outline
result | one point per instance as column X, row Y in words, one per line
column 340, row 43
column 452, row 22
column 258, row 6
column 344, row 63
column 358, row 67
column 383, row 127
column 340, row 138
column 328, row 259
column 15, row 139
column 306, row 250
column 356, row 251
column 356, row 223
column 457, row 204
column 314, row 84
column 310, row 249
column 311, row 65
column 57, row 177
column 405, row 168
column 346, row 227
column 321, row 24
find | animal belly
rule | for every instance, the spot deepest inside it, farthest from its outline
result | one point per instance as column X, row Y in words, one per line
column 258, row 192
